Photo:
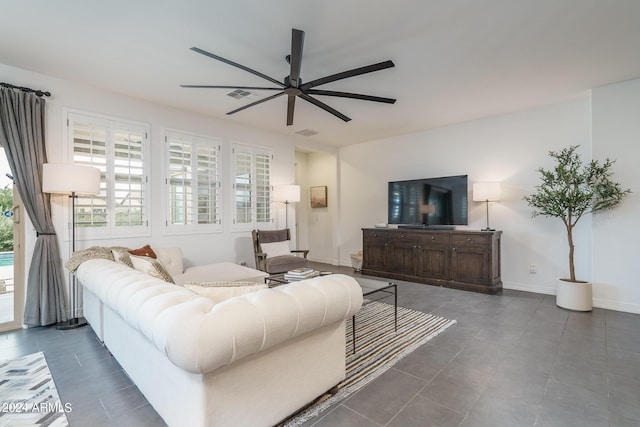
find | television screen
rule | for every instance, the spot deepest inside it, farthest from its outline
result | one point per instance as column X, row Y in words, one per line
column 429, row 202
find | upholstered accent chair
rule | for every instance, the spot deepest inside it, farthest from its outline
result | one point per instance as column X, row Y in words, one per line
column 273, row 254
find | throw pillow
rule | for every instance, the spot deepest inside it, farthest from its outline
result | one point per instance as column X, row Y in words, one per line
column 144, row 251
column 121, row 256
column 276, row 248
column 220, row 291
column 152, row 267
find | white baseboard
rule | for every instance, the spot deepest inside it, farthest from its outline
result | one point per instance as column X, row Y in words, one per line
column 545, row 290
column 616, row 305
column 597, row 302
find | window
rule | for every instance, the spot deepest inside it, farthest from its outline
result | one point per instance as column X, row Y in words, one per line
column 119, row 150
column 193, row 182
column 252, row 186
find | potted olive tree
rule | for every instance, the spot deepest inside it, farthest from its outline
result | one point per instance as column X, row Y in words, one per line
column 569, row 191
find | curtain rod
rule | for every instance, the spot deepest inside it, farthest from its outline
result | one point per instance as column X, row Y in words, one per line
column 26, row 89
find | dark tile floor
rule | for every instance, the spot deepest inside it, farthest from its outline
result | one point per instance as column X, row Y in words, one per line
column 513, row 359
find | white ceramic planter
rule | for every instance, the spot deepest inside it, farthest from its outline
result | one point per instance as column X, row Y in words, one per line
column 576, row 296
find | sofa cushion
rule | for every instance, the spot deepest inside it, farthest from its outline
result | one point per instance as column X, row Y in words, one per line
column 220, row 271
column 144, row 251
column 220, row 291
column 152, row 267
column 171, row 258
column 284, row 263
column 276, row 248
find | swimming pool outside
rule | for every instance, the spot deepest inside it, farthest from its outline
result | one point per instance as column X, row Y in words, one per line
column 6, row 258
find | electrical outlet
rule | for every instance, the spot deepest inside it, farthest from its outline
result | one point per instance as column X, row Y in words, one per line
column 533, row 269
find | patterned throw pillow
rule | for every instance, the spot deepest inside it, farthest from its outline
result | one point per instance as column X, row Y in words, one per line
column 220, row 291
column 144, row 251
column 121, row 256
column 152, row 267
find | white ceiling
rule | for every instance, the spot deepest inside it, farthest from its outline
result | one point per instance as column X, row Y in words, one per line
column 456, row 60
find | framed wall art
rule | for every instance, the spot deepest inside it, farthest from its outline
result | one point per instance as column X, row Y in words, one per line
column 319, row 197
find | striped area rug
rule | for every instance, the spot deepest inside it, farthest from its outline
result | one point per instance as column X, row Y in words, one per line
column 28, row 396
column 378, row 348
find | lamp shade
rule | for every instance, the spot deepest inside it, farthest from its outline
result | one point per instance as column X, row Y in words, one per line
column 486, row 191
column 63, row 178
column 286, row 193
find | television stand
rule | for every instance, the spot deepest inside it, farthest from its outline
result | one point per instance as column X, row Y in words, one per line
column 459, row 259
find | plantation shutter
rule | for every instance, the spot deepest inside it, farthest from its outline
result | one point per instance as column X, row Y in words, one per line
column 118, row 149
column 194, row 183
column 263, row 187
column 208, row 184
column 243, row 185
column 129, row 177
column 89, row 140
column 252, row 186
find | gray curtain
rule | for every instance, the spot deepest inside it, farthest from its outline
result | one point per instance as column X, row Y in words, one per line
column 22, row 136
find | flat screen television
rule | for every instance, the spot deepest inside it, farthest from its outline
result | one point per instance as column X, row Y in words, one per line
column 431, row 202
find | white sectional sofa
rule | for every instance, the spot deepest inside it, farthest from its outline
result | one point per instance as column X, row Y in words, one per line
column 172, row 260
column 251, row 360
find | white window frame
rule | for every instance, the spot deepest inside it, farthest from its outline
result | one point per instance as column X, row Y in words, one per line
column 255, row 190
column 108, row 168
column 195, row 141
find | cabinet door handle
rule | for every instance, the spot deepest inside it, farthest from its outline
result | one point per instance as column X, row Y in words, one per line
column 469, row 239
column 453, row 249
column 433, row 238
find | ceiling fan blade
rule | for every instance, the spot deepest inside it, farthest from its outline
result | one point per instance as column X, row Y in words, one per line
column 346, row 74
column 268, row 98
column 297, row 43
column 351, row 95
column 231, row 87
column 291, row 106
column 242, row 67
column 324, row 106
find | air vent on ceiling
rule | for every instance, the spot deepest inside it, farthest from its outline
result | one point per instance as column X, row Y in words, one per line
column 307, row 132
column 242, row 94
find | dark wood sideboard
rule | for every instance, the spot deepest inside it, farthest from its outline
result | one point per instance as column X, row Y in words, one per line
column 467, row 260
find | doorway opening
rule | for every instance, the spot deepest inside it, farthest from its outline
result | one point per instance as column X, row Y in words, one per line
column 11, row 283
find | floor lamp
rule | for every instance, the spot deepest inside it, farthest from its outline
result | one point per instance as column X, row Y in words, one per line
column 486, row 192
column 286, row 194
column 71, row 180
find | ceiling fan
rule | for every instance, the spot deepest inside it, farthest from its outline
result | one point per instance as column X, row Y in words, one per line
column 292, row 85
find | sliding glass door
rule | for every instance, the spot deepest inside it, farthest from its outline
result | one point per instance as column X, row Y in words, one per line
column 11, row 253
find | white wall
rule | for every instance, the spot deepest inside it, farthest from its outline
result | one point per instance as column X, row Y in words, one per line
column 318, row 226
column 201, row 248
column 508, row 149
column 302, row 208
column 323, row 222
column 616, row 235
